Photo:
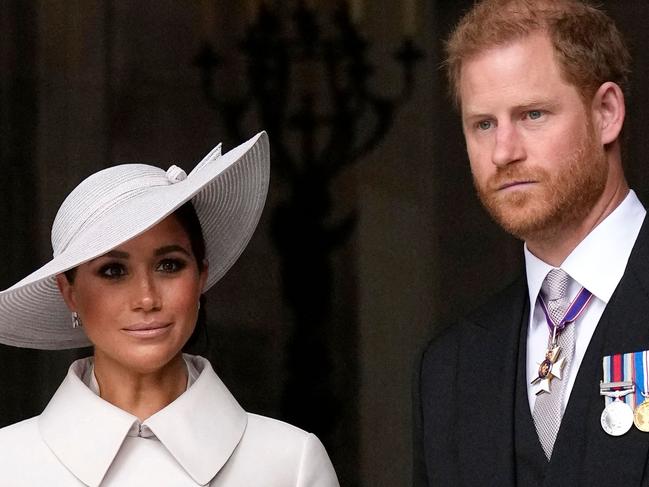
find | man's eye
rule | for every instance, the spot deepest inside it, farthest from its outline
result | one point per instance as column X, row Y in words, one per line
column 112, row 271
column 534, row 114
column 484, row 125
column 171, row 265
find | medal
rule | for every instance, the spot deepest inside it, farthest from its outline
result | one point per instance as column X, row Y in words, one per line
column 549, row 369
column 552, row 366
column 641, row 413
column 641, row 417
column 617, row 417
column 628, row 371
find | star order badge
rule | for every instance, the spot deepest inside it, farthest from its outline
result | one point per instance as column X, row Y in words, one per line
column 552, row 365
column 548, row 370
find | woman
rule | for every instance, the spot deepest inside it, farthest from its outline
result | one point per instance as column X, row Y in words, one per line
column 134, row 249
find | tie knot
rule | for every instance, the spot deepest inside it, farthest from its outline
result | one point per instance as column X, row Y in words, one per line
column 555, row 285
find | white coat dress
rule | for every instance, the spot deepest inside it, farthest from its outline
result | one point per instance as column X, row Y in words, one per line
column 203, row 438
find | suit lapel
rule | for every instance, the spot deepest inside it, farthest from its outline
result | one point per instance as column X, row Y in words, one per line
column 488, row 362
column 624, row 327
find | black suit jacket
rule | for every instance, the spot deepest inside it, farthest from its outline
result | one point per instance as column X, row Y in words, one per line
column 465, row 389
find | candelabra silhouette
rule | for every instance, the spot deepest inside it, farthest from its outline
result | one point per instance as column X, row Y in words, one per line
column 317, row 129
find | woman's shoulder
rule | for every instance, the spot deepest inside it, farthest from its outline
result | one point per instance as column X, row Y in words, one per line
column 288, row 454
column 23, row 431
column 27, row 460
column 22, row 442
column 18, row 442
column 264, row 424
column 264, row 432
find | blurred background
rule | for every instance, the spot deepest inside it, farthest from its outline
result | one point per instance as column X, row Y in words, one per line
column 371, row 240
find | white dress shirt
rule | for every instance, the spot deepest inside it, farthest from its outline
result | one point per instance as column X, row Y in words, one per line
column 203, row 438
column 597, row 264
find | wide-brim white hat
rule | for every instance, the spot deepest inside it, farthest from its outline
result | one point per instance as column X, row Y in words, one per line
column 119, row 203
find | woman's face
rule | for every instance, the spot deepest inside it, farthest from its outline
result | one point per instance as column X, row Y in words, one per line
column 139, row 302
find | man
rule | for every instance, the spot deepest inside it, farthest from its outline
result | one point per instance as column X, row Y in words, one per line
column 511, row 394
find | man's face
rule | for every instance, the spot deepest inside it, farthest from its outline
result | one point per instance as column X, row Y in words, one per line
column 537, row 163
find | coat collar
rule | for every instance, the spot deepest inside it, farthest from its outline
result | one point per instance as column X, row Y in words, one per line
column 201, row 428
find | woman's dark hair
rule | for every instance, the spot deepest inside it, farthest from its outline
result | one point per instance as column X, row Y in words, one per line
column 188, row 219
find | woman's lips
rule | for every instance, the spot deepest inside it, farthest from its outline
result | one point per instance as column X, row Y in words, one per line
column 147, row 330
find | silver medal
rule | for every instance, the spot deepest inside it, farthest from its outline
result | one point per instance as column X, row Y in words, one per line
column 617, row 418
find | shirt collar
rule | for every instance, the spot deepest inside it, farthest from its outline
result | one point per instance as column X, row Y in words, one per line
column 609, row 244
column 201, row 428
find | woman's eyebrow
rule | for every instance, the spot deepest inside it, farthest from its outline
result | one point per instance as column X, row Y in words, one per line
column 120, row 254
column 171, row 248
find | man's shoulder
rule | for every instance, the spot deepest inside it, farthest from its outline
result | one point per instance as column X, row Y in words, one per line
column 511, row 296
column 440, row 361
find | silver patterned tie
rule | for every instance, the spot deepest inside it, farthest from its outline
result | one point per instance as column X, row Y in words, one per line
column 548, row 408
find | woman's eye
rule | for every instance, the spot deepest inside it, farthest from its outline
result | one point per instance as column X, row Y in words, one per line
column 534, row 114
column 112, row 271
column 171, row 265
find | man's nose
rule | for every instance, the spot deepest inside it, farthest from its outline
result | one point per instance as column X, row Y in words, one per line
column 508, row 146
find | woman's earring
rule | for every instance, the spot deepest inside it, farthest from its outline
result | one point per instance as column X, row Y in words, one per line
column 76, row 321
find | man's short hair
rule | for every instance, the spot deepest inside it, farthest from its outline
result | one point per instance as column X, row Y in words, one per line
column 587, row 44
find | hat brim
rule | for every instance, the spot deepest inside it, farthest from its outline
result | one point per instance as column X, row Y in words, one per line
column 228, row 193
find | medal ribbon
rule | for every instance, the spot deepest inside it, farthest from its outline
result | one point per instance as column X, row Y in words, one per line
column 575, row 309
column 633, row 367
column 643, row 377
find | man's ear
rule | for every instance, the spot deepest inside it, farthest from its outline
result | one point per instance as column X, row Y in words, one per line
column 608, row 112
column 67, row 291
